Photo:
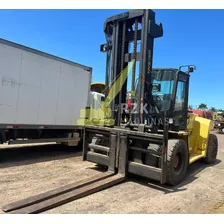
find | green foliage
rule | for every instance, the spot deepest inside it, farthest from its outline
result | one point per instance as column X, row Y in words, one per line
column 203, row 106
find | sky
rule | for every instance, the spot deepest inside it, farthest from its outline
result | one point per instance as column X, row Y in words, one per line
column 190, row 37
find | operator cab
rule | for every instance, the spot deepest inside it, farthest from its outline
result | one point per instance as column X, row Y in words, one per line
column 169, row 95
column 172, row 95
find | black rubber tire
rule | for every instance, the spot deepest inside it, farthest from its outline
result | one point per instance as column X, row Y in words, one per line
column 176, row 147
column 2, row 137
column 212, row 150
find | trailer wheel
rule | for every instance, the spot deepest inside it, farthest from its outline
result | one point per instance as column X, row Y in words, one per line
column 2, row 137
column 177, row 161
column 212, row 149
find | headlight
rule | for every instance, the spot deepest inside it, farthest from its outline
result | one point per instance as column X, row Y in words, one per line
column 219, row 125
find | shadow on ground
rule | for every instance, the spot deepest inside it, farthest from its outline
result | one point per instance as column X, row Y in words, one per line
column 191, row 176
column 193, row 170
column 10, row 157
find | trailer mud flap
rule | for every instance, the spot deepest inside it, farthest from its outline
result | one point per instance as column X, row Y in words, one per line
column 63, row 195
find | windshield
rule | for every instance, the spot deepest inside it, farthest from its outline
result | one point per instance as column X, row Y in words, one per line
column 163, row 83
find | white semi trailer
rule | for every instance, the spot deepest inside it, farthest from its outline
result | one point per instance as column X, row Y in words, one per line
column 41, row 96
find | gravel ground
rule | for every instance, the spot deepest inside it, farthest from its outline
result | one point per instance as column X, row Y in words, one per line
column 26, row 171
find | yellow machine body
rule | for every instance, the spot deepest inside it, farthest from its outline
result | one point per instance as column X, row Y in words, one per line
column 198, row 129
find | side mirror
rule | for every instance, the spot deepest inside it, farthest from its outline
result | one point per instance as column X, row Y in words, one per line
column 191, row 68
column 105, row 48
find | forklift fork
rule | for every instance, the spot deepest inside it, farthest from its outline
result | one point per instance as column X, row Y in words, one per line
column 79, row 189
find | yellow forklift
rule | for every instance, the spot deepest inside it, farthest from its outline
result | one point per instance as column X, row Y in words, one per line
column 157, row 139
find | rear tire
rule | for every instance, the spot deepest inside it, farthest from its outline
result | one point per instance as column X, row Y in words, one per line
column 177, row 161
column 212, row 150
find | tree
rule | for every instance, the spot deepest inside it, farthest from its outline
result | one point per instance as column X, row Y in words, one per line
column 213, row 109
column 202, row 106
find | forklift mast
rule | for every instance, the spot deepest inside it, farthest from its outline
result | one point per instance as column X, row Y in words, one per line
column 124, row 34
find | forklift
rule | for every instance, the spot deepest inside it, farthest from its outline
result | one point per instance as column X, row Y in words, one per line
column 157, row 139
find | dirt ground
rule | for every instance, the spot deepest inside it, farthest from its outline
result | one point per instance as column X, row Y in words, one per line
column 25, row 171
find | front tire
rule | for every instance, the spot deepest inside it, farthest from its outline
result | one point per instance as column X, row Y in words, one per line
column 177, row 161
column 212, row 149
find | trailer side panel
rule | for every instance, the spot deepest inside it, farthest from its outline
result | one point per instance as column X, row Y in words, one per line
column 40, row 89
